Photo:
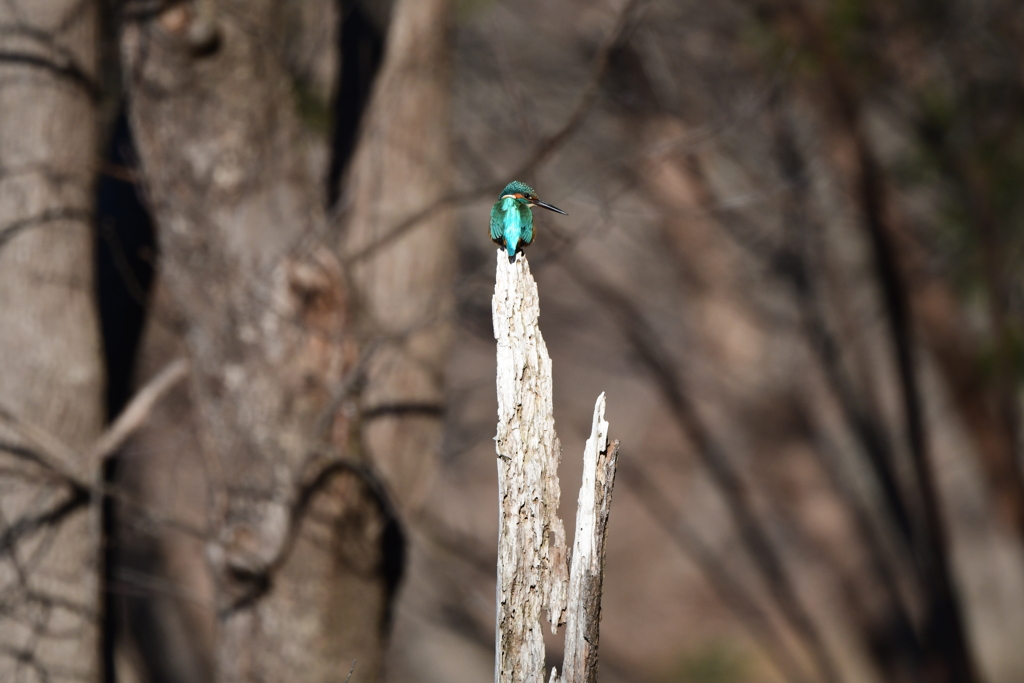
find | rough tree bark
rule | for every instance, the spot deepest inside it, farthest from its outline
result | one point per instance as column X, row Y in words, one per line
column 299, row 539
column 404, row 285
column 532, row 572
column 51, row 373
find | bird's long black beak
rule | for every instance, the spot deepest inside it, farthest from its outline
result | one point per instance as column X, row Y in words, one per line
column 537, row 202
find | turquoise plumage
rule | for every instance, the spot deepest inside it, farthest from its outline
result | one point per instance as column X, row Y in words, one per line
column 512, row 218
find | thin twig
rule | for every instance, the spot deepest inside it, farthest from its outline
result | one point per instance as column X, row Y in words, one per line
column 137, row 411
column 51, row 451
column 64, row 460
column 67, row 465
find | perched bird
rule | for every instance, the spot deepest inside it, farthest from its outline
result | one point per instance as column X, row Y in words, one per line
column 512, row 219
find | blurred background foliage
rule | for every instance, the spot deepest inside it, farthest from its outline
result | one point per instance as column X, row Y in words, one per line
column 733, row 186
column 793, row 259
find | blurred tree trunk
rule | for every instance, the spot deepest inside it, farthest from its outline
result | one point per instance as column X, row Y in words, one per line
column 402, row 261
column 361, row 34
column 51, row 374
column 164, row 595
column 302, row 548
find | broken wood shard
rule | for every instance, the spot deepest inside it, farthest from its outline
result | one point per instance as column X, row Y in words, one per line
column 586, row 575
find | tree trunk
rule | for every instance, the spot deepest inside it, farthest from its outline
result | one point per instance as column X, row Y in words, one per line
column 51, row 374
column 300, row 539
column 533, row 577
column 403, row 277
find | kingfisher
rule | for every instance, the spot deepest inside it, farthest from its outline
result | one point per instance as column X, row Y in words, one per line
column 512, row 218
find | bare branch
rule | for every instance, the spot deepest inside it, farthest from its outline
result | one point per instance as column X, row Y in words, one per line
column 138, row 409
column 258, row 580
column 51, row 452
column 62, row 464
column 12, row 229
column 55, row 455
column 69, row 71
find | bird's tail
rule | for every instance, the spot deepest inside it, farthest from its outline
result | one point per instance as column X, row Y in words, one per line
column 510, row 247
